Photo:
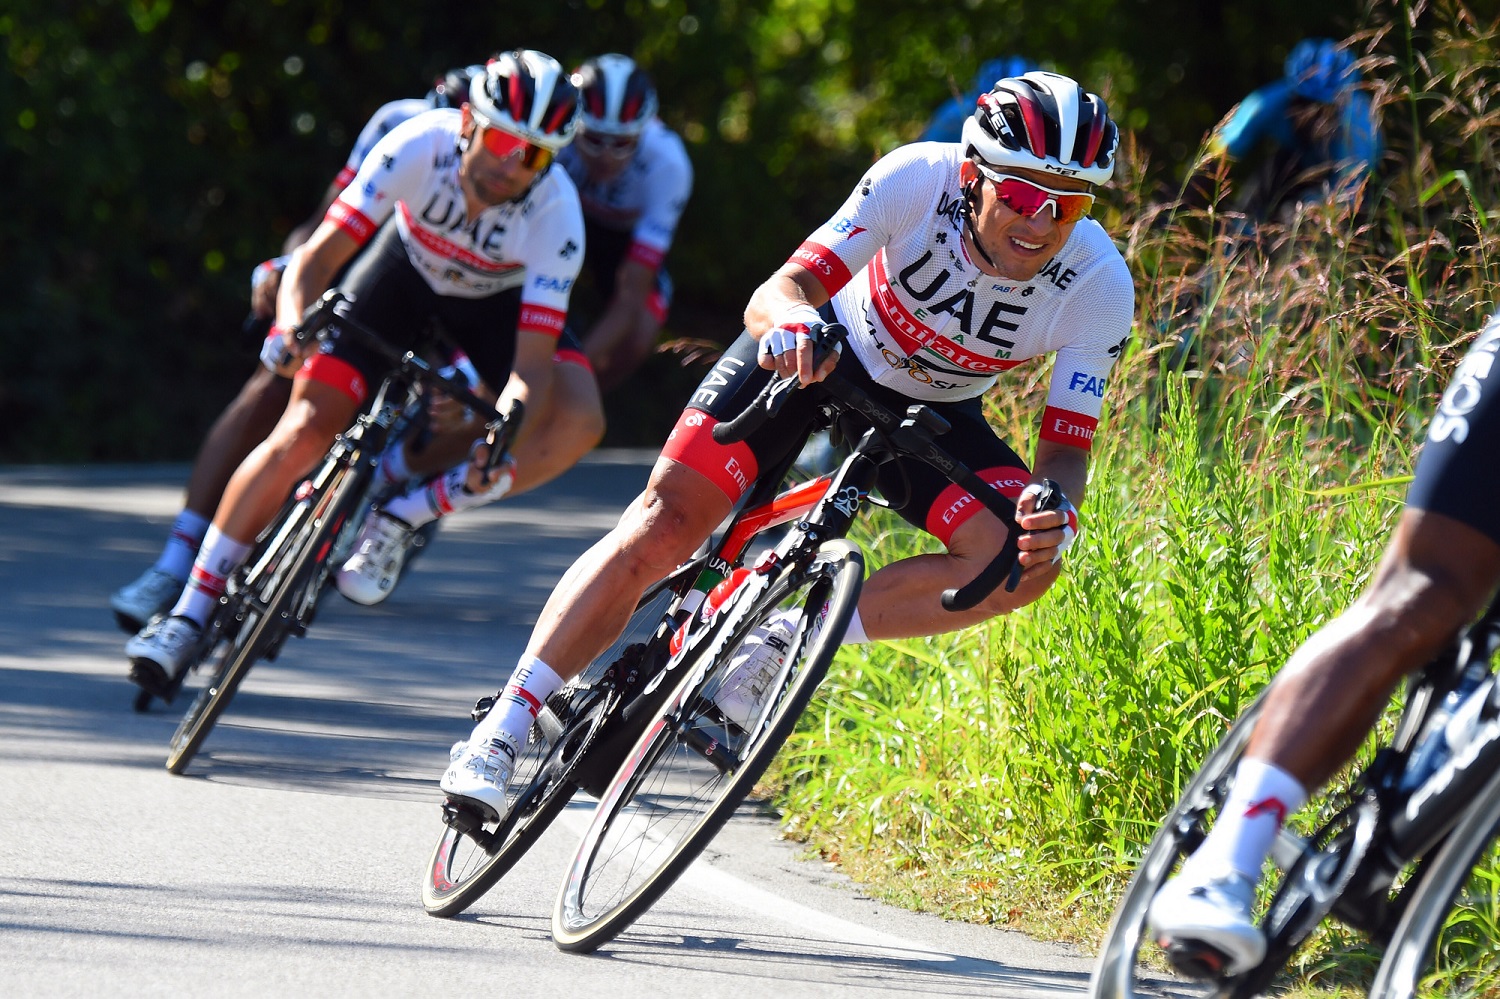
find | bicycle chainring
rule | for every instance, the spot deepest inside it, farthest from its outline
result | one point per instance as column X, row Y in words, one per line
column 1325, row 870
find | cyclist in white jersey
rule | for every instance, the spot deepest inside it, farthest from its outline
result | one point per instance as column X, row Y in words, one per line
column 634, row 178
column 948, row 264
column 573, row 427
column 455, row 215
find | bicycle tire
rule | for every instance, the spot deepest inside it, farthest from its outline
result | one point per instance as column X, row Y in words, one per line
column 249, row 630
column 1118, row 965
column 1425, row 927
column 599, row 898
column 461, row 869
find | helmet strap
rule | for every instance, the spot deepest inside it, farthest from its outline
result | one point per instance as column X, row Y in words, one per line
column 966, row 209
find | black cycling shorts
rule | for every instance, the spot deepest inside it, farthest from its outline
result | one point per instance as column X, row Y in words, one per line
column 1458, row 474
column 921, row 494
column 393, row 299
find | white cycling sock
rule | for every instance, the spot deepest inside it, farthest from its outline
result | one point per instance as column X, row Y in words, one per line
column 530, row 685
column 219, row 556
column 176, row 558
column 855, row 633
column 1262, row 797
column 443, row 494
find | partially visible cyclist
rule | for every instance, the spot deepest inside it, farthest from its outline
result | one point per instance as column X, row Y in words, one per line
column 573, row 428
column 1315, row 128
column 949, row 264
column 1439, row 569
column 947, row 121
column 455, row 216
column 634, row 178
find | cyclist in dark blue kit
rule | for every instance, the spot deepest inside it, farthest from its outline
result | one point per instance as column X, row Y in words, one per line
column 1321, row 130
column 947, row 122
column 1438, row 572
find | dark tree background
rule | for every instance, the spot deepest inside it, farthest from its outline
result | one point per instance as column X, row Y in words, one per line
column 155, row 150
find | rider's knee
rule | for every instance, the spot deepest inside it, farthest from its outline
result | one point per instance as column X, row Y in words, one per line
column 666, row 525
column 303, row 433
column 586, row 428
column 1414, row 607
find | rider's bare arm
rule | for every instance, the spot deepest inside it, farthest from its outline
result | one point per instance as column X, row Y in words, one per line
column 791, row 286
column 531, row 378
column 1068, row 467
column 634, row 282
column 311, row 271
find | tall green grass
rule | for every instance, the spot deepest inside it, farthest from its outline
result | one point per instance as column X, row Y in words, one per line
column 1239, row 495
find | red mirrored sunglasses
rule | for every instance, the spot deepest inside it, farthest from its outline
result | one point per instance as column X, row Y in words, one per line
column 618, row 146
column 1027, row 198
column 503, row 145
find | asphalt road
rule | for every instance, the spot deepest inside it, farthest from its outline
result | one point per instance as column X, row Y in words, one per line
column 287, row 861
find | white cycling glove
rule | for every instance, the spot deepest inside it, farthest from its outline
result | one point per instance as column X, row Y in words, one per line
column 275, row 354
column 1066, row 508
column 799, row 322
column 263, row 271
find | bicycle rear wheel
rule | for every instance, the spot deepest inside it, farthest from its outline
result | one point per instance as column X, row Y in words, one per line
column 1448, row 940
column 466, row 863
column 691, row 768
column 279, row 582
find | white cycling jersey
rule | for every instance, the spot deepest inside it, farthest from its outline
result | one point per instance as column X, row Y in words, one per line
column 535, row 243
column 646, row 198
column 385, row 118
column 923, row 318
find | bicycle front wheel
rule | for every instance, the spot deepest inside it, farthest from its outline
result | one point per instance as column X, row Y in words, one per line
column 466, row 863
column 1448, row 940
column 281, row 573
column 692, row 767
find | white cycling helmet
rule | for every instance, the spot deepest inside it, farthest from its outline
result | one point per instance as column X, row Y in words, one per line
column 1043, row 121
column 617, row 96
column 527, row 93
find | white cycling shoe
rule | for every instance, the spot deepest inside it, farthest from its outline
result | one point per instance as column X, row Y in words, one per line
column 161, row 651
column 152, row 593
column 481, row 777
column 370, row 574
column 758, row 663
column 1205, row 925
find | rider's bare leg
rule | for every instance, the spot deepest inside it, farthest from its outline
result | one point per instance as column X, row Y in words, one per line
column 1436, row 575
column 316, row 415
column 245, row 422
column 659, row 530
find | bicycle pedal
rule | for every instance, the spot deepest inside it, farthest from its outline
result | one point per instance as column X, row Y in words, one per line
column 1197, row 960
column 460, row 818
column 465, row 819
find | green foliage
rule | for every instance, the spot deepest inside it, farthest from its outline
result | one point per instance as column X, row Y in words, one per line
column 156, row 150
column 1262, row 432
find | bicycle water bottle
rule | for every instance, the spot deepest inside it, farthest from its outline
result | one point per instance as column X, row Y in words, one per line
column 1441, row 738
column 706, row 604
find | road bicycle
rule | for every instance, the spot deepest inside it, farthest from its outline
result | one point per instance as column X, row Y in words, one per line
column 641, row 728
column 1403, row 852
column 275, row 594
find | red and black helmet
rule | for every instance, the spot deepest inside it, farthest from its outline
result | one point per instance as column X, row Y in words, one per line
column 527, row 93
column 1043, row 121
column 618, row 96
